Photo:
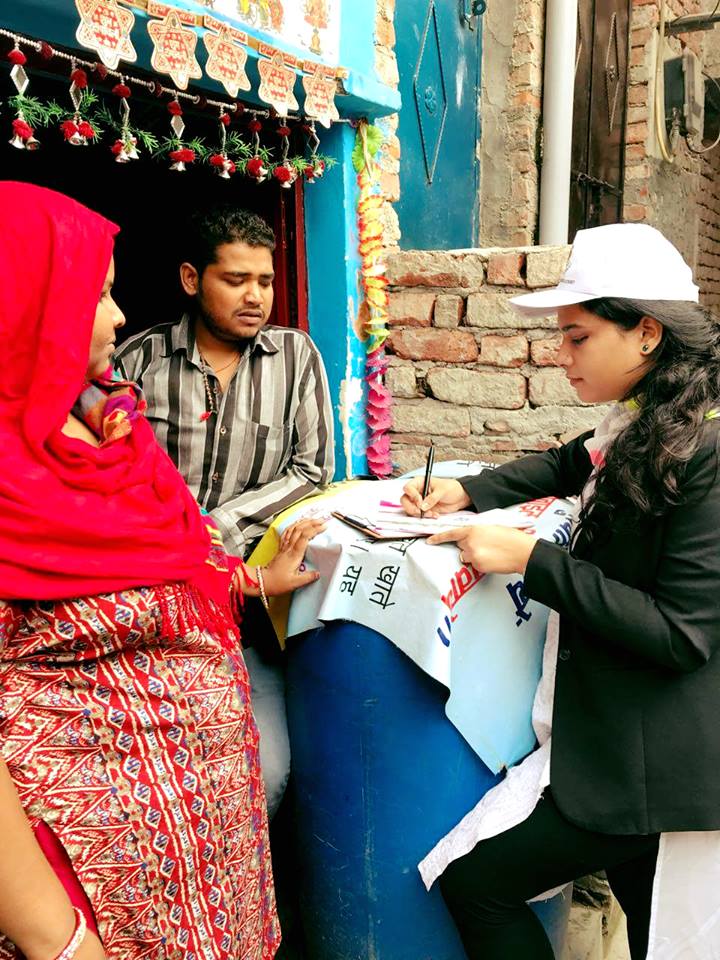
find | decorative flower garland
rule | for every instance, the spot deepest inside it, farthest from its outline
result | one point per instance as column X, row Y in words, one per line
column 88, row 118
column 379, row 420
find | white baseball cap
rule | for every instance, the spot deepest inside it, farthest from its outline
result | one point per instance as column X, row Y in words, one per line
column 629, row 260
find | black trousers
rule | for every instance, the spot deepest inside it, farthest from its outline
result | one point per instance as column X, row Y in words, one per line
column 487, row 889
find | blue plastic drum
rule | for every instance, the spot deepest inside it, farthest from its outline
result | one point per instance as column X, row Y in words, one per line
column 380, row 775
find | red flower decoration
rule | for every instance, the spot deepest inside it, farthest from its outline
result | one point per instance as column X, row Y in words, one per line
column 239, row 108
column 79, row 78
column 117, row 147
column 69, row 129
column 218, row 160
column 255, row 167
column 183, row 155
column 17, row 57
column 101, row 70
column 283, row 174
column 175, row 108
column 22, row 129
column 86, row 130
column 254, row 126
column 284, row 131
column 309, row 171
column 225, row 119
column 46, row 51
column 121, row 90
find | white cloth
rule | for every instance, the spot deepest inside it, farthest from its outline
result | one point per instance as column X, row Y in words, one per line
column 685, row 913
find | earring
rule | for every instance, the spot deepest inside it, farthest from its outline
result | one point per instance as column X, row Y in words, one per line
column 645, row 348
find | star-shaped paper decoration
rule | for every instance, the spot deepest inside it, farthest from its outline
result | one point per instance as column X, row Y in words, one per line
column 105, row 27
column 226, row 61
column 277, row 84
column 320, row 95
column 174, row 50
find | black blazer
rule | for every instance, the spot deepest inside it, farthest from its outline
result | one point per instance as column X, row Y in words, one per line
column 636, row 722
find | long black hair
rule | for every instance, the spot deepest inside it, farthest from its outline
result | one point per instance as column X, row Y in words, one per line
column 644, row 465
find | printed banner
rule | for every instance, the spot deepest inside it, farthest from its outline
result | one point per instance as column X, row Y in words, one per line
column 478, row 635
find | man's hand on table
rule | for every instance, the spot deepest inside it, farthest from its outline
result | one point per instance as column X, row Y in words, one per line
column 445, row 496
column 490, row 549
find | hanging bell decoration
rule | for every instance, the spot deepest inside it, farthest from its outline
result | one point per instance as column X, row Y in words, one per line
column 315, row 167
column 77, row 132
column 223, row 166
column 220, row 162
column 23, row 137
column 125, row 147
column 125, row 150
column 71, row 132
column 180, row 158
column 255, row 167
column 285, row 173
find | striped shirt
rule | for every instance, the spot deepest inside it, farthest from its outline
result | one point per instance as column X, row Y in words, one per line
column 270, row 442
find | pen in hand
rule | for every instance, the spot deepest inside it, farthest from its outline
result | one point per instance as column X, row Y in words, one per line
column 428, row 473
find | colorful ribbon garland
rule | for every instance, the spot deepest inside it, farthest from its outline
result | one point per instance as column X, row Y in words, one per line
column 374, row 281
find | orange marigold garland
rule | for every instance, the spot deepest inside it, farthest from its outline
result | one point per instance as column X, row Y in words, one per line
column 370, row 235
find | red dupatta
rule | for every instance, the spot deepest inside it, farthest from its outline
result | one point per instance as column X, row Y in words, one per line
column 74, row 519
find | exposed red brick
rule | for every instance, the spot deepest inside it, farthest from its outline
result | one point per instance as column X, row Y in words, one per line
column 450, row 346
column 543, row 353
column 409, row 308
column 504, row 351
column 506, row 269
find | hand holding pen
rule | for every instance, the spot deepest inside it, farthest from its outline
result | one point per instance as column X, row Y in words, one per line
column 428, row 474
column 443, row 496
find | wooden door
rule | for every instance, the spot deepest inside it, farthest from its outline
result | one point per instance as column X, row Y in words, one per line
column 600, row 111
column 438, row 49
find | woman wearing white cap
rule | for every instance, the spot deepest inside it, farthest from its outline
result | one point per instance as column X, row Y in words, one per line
column 632, row 782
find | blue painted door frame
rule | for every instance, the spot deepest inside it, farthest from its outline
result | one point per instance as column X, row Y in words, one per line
column 439, row 44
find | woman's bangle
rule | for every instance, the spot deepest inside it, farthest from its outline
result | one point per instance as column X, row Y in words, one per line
column 261, row 584
column 77, row 937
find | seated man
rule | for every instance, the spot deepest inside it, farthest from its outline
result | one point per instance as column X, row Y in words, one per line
column 243, row 410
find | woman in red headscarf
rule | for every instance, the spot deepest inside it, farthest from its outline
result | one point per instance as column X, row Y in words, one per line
column 131, row 803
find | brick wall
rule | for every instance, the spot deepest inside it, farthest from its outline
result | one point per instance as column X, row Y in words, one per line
column 465, row 369
column 681, row 198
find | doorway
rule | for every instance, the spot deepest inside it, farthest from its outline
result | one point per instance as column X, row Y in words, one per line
column 151, row 203
column 599, row 118
column 439, row 45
